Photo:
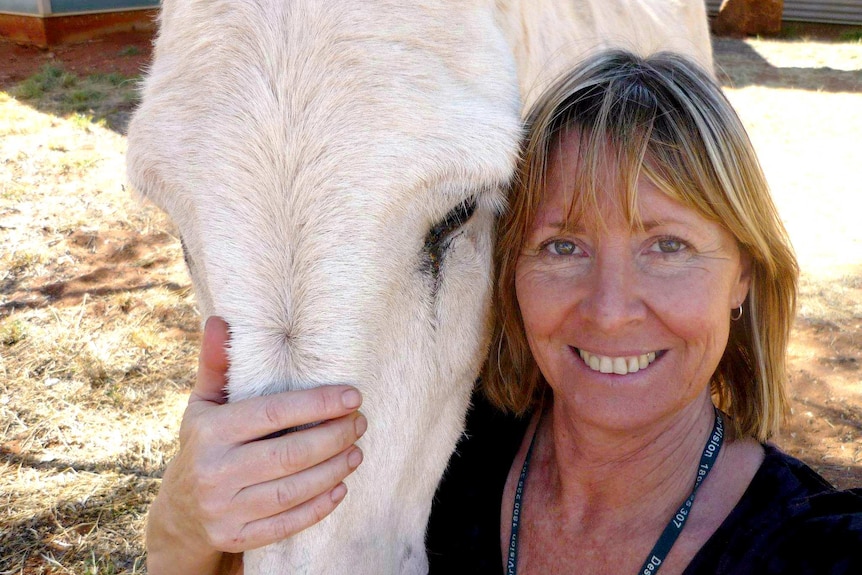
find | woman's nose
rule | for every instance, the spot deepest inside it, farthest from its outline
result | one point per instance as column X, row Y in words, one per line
column 613, row 299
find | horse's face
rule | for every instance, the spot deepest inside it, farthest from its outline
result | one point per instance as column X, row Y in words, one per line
column 333, row 171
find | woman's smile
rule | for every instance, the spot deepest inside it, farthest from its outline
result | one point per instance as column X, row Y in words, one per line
column 620, row 365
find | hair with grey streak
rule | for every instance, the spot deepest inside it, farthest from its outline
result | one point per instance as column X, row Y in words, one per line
column 664, row 119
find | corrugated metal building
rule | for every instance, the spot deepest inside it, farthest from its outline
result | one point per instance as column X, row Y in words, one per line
column 848, row 12
column 68, row 7
column 47, row 22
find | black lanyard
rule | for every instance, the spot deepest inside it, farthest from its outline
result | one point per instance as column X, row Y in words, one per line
column 668, row 536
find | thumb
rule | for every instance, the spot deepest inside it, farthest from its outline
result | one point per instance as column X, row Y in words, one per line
column 212, row 363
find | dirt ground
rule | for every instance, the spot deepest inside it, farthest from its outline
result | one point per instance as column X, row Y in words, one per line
column 125, row 52
column 800, row 99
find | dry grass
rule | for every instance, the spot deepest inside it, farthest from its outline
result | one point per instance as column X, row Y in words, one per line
column 99, row 334
column 98, row 338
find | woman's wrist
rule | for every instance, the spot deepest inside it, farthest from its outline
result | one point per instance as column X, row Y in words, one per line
column 171, row 551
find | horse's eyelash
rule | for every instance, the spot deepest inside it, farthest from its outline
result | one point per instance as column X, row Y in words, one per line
column 456, row 218
column 435, row 244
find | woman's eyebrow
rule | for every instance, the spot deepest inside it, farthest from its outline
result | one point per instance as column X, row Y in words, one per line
column 565, row 226
column 648, row 225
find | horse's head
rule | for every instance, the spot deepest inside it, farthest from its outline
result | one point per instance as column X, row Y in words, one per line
column 334, row 170
column 333, row 174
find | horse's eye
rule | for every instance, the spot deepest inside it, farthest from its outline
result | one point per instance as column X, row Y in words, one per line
column 435, row 240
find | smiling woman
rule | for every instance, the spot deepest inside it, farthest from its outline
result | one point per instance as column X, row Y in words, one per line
column 645, row 292
column 688, row 194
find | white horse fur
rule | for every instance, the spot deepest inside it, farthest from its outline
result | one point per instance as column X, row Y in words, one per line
column 304, row 149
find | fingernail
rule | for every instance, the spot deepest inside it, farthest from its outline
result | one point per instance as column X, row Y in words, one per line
column 355, row 458
column 351, row 399
column 361, row 425
column 338, row 492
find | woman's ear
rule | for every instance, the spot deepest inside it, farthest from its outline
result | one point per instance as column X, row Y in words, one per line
column 743, row 282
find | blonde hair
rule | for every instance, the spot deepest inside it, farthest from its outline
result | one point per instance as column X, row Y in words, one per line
column 660, row 118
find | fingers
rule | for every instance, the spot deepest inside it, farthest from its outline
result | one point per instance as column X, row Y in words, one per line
column 271, row 529
column 216, row 497
column 236, row 518
column 294, row 452
column 287, row 493
column 212, row 363
column 258, row 417
column 232, row 490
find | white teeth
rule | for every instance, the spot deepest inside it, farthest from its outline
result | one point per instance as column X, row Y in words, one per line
column 606, row 364
column 618, row 365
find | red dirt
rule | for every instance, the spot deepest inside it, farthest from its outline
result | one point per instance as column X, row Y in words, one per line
column 125, row 52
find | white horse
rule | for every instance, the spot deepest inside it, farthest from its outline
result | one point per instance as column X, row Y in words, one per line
column 334, row 169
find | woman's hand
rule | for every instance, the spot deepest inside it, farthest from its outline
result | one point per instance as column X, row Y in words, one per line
column 227, row 491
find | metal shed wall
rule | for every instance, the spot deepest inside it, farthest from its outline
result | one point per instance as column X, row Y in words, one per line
column 83, row 6
column 29, row 7
column 826, row 11
column 829, row 11
column 66, row 7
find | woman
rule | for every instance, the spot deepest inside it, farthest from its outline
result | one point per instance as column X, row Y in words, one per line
column 643, row 276
column 645, row 290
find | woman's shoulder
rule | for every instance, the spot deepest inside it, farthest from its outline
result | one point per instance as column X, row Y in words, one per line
column 815, row 513
column 790, row 520
column 809, row 496
column 817, row 528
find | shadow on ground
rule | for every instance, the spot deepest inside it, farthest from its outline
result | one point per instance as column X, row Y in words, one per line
column 739, row 65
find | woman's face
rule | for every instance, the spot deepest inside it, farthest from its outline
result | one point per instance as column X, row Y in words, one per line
column 626, row 324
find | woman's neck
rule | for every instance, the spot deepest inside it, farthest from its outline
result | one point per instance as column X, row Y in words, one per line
column 598, row 474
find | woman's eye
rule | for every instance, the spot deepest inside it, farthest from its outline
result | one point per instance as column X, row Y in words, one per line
column 669, row 246
column 561, row 247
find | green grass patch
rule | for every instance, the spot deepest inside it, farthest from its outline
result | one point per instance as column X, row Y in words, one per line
column 129, row 51
column 803, row 31
column 851, row 36
column 12, row 331
column 49, row 79
column 98, row 97
column 86, row 99
column 789, row 31
column 13, row 192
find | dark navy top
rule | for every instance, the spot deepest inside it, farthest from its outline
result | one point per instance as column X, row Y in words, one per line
column 789, row 521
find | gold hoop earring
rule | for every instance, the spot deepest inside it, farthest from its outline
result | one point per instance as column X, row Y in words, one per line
column 738, row 315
